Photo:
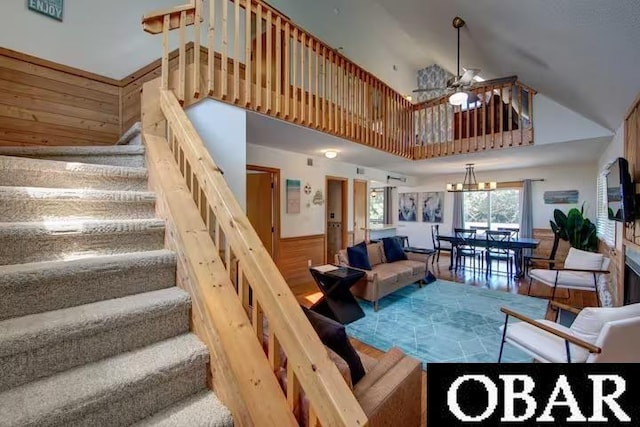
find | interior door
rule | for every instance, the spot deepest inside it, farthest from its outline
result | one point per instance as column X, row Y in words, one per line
column 359, row 210
column 260, row 206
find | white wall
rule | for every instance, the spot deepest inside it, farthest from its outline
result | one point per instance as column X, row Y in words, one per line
column 556, row 123
column 581, row 177
column 223, row 129
column 311, row 219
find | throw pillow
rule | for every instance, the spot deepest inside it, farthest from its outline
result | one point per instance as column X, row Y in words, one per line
column 392, row 250
column 358, row 256
column 333, row 335
column 583, row 260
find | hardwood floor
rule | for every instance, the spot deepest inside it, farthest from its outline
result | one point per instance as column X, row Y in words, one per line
column 499, row 281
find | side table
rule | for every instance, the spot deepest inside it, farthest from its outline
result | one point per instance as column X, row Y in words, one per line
column 337, row 302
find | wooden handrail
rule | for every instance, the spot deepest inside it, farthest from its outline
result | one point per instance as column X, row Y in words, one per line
column 152, row 22
column 309, row 365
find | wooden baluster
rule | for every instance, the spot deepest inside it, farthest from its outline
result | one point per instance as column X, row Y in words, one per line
column 203, row 206
column 269, row 60
column 466, row 148
column 325, row 101
column 278, row 66
column 492, row 118
column 351, row 82
column 275, row 359
column 225, row 46
column 318, row 123
column 484, row 118
column 259, row 56
column 334, row 93
column 295, row 74
column 359, row 104
column 510, row 114
column 196, row 50
column 520, row 117
column 236, row 52
column 420, row 140
column 394, row 123
column 367, row 106
column 287, row 70
column 182, row 57
column 257, row 318
column 309, row 48
column 211, row 66
column 242, row 287
column 164, row 84
column 443, row 148
column 475, row 122
column 293, row 387
column 530, row 98
column 303, row 53
column 441, row 125
column 341, row 100
column 248, row 75
column 501, row 131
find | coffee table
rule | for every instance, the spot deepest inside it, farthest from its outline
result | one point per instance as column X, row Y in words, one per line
column 337, row 302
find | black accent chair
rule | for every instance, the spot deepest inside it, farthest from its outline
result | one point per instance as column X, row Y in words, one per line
column 467, row 249
column 499, row 254
column 437, row 245
column 549, row 262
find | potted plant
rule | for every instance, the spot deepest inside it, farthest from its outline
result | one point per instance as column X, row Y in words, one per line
column 573, row 227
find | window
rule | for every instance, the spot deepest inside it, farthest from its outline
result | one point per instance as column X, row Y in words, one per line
column 376, row 206
column 606, row 228
column 493, row 209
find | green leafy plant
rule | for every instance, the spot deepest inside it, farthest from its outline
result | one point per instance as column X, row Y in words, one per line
column 573, row 227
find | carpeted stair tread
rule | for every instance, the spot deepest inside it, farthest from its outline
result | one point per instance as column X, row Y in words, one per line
column 51, row 285
column 42, row 344
column 27, row 172
column 115, row 391
column 23, row 242
column 116, row 155
column 202, row 410
column 38, row 203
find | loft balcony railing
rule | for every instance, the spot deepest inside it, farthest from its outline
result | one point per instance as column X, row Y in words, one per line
column 263, row 62
column 499, row 115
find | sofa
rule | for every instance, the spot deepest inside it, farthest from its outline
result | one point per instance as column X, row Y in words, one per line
column 384, row 278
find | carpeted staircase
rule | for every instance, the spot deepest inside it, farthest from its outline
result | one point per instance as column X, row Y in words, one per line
column 93, row 330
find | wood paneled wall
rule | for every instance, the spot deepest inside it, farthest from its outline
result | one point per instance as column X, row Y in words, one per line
column 293, row 256
column 43, row 103
column 545, row 235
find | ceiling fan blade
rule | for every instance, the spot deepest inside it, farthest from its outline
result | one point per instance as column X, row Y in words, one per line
column 428, row 89
column 467, row 77
column 495, row 82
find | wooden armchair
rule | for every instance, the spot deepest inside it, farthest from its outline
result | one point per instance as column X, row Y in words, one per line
column 597, row 335
column 582, row 270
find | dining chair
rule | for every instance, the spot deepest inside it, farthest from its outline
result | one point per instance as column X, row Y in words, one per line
column 515, row 231
column 499, row 253
column 467, row 249
column 437, row 245
column 596, row 335
column 478, row 227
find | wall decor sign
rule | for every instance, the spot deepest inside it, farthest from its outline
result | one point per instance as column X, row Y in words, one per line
column 293, row 196
column 408, row 207
column 432, row 205
column 51, row 8
column 564, row 197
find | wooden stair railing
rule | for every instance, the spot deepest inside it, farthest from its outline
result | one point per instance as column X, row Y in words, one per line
column 502, row 118
column 289, row 74
column 215, row 237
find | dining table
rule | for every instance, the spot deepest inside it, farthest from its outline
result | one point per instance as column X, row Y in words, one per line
column 517, row 245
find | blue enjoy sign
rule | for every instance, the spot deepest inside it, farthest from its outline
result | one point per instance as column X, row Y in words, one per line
column 50, row 8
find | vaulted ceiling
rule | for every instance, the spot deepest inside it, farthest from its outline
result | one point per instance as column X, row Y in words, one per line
column 582, row 53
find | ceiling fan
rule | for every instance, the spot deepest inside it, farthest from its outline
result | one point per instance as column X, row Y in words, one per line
column 459, row 87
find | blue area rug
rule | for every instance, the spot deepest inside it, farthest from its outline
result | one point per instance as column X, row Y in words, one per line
column 445, row 322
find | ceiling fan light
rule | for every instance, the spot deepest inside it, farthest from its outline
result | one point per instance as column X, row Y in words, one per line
column 458, row 98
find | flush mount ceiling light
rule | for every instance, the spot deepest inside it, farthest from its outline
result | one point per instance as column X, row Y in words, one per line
column 470, row 183
column 330, row 154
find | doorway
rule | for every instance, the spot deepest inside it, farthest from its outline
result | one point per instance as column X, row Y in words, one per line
column 263, row 205
column 336, row 216
column 360, row 217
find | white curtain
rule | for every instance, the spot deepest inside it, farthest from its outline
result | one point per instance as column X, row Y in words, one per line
column 458, row 211
column 526, row 210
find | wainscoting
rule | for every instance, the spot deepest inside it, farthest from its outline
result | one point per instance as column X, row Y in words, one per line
column 293, row 256
column 43, row 103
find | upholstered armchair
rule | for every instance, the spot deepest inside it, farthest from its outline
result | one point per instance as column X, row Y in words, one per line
column 582, row 270
column 597, row 335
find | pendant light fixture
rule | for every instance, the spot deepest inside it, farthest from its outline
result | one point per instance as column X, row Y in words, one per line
column 470, row 183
